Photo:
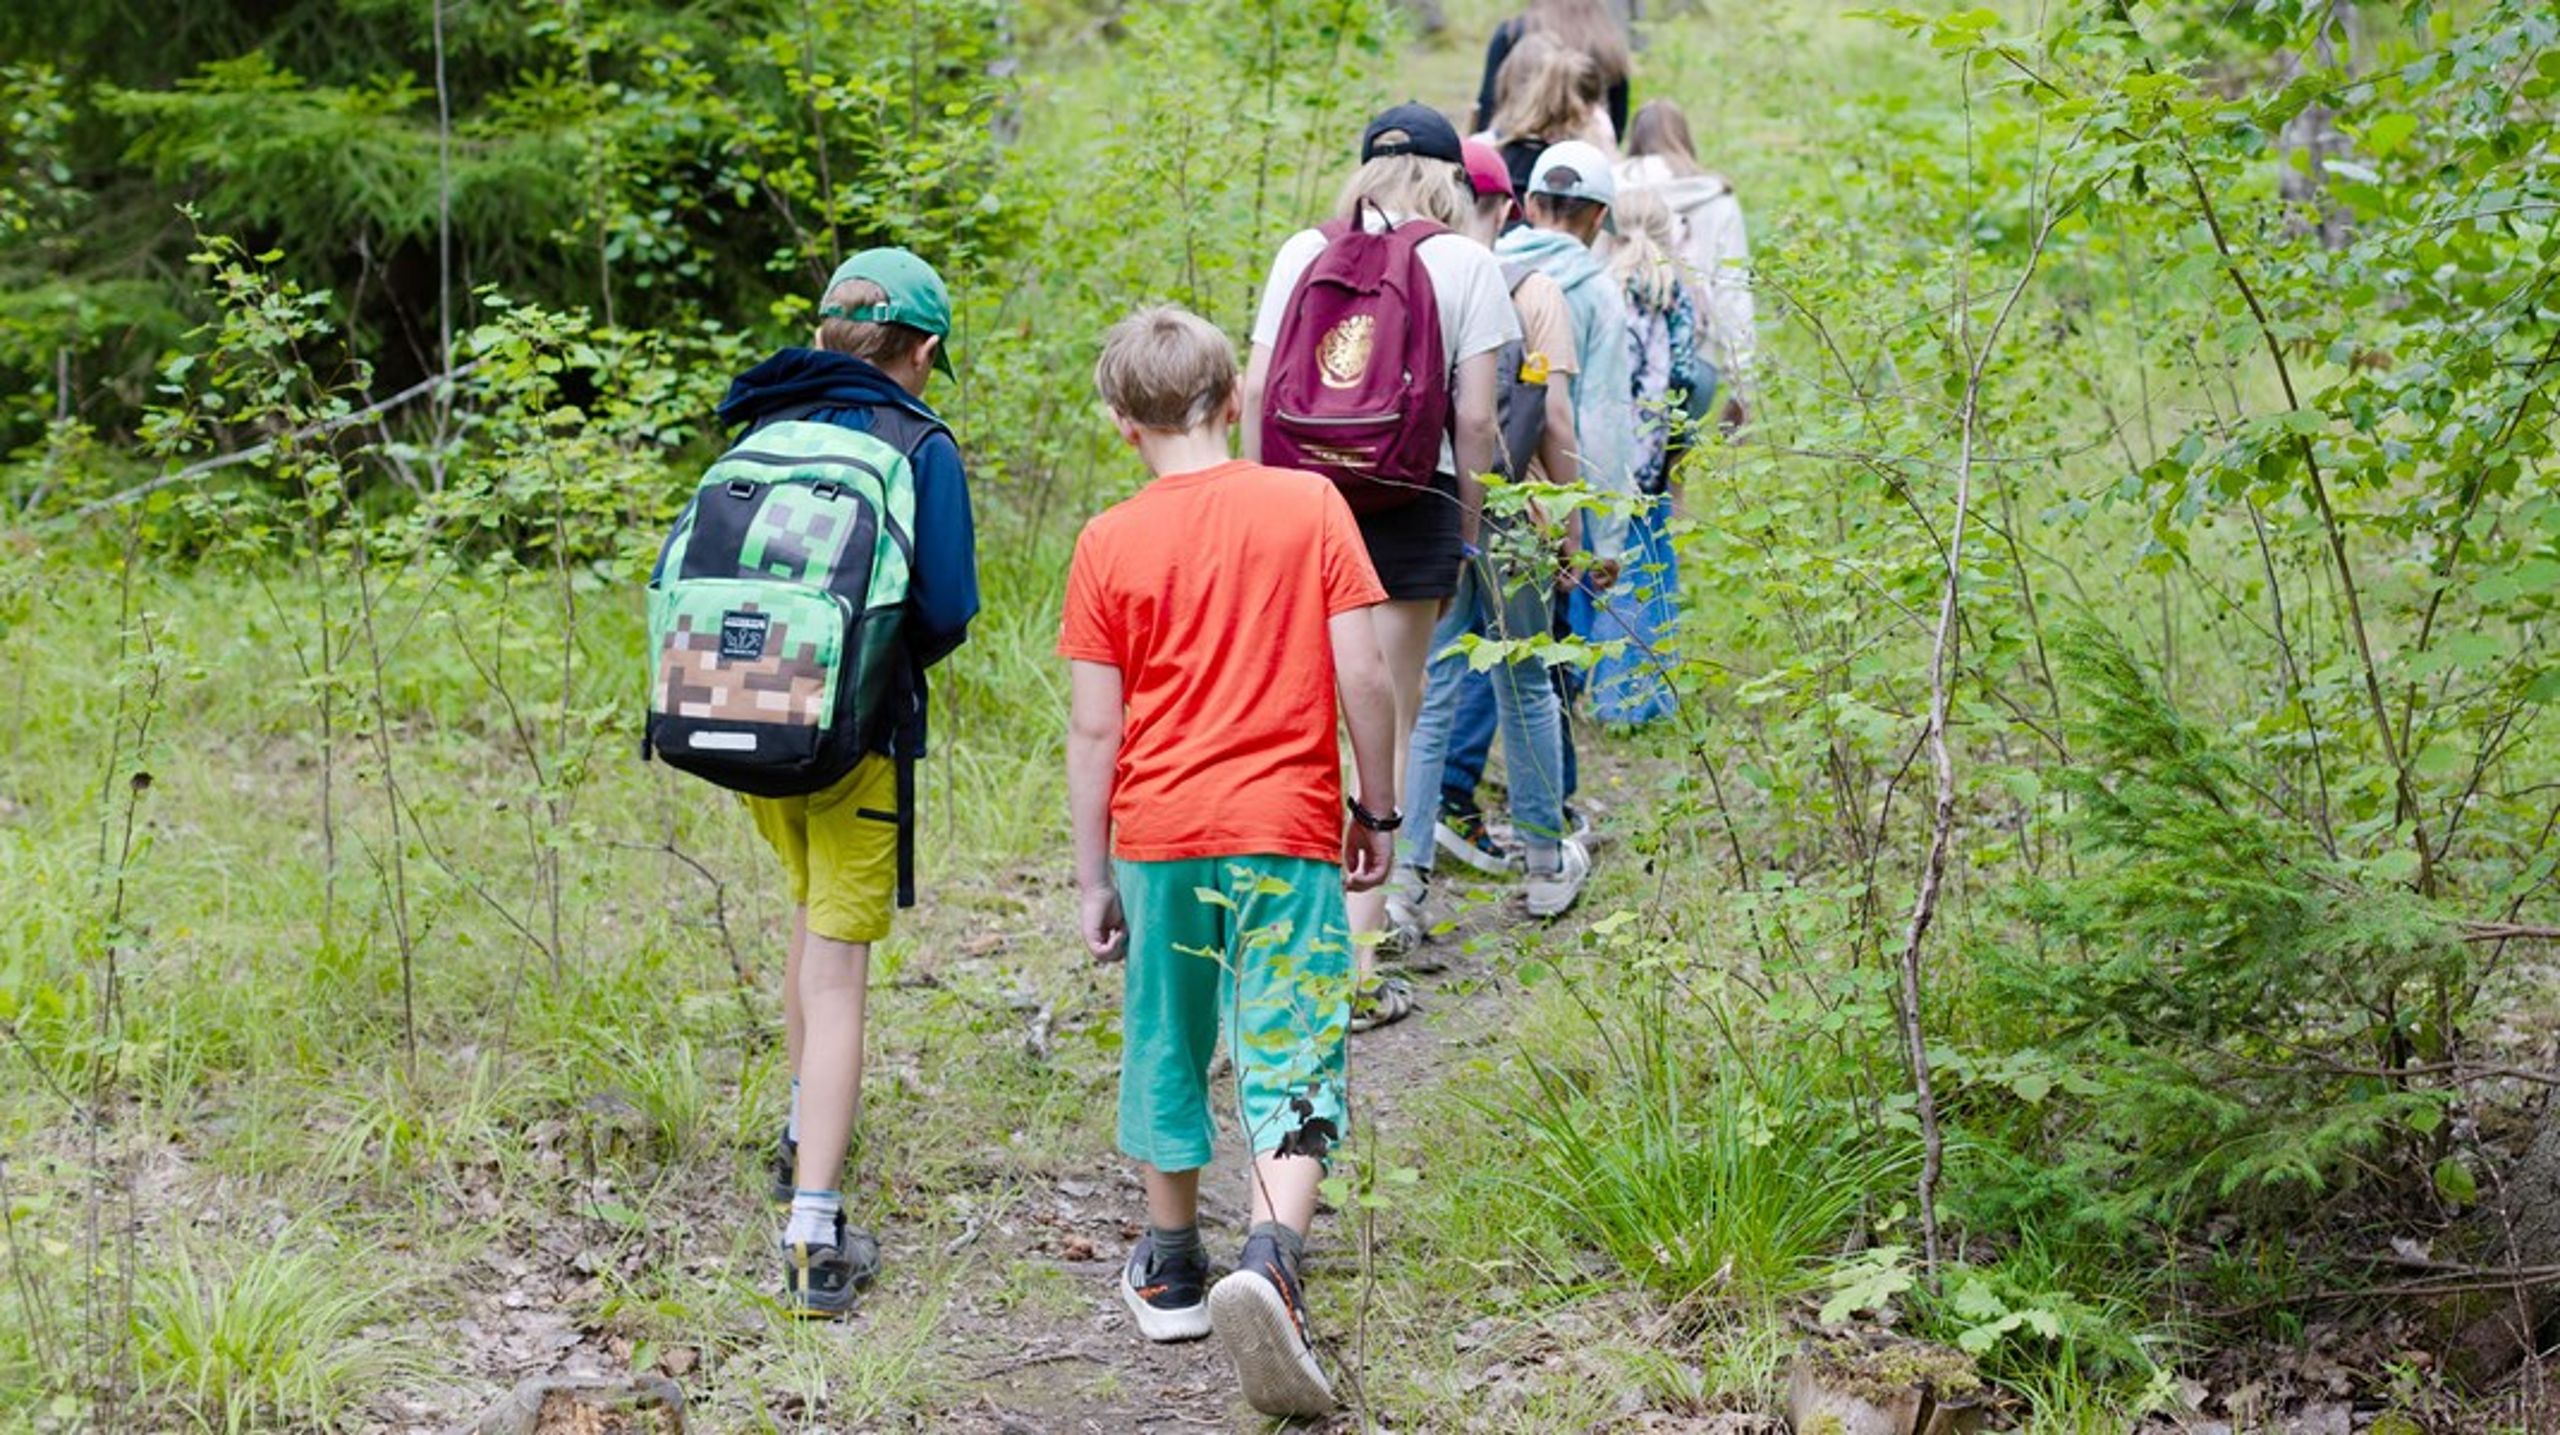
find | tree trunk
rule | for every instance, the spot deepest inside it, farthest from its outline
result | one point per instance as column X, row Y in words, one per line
column 2313, row 135
column 2518, row 1228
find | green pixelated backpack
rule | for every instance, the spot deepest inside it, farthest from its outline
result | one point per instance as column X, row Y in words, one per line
column 777, row 610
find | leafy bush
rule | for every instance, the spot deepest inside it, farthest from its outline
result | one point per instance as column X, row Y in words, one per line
column 2239, row 1000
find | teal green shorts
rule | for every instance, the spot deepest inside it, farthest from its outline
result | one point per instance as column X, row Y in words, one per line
column 1256, row 950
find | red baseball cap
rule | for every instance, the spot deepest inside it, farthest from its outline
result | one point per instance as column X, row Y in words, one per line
column 1486, row 173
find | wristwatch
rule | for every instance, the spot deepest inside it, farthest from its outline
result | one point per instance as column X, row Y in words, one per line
column 1371, row 820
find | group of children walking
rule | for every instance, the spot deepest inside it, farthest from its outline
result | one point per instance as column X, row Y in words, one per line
column 1526, row 304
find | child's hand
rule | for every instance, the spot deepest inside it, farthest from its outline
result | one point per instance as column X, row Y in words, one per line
column 1582, row 569
column 1366, row 856
column 1106, row 931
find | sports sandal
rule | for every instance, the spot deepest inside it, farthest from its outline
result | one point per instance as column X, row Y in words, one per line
column 1383, row 1002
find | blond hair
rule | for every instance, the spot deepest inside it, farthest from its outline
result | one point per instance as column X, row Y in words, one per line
column 1660, row 131
column 1546, row 91
column 869, row 340
column 1644, row 258
column 1409, row 185
column 1587, row 26
column 1166, row 368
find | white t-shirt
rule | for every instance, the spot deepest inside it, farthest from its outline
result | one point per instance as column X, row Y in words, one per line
column 1476, row 316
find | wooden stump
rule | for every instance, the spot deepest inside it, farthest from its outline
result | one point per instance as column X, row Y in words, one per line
column 642, row 1405
column 1878, row 1384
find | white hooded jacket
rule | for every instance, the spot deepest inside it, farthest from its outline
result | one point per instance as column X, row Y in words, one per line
column 1712, row 243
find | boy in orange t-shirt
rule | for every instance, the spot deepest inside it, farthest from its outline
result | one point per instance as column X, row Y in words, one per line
column 1214, row 622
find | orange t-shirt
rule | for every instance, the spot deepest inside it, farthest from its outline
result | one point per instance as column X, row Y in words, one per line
column 1211, row 592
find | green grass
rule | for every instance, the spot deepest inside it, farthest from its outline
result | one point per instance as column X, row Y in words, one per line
column 1616, row 1123
column 270, row 1331
column 1696, row 1182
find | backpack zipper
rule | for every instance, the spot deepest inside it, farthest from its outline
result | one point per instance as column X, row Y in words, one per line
column 776, row 460
column 1338, row 421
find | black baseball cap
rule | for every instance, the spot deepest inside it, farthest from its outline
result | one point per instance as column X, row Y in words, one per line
column 1412, row 128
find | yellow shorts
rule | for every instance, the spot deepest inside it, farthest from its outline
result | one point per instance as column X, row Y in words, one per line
column 840, row 847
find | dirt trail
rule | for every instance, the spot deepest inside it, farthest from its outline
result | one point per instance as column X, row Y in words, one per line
column 1024, row 1370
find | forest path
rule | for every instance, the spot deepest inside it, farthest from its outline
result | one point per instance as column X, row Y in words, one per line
column 1025, row 1366
column 1003, row 1209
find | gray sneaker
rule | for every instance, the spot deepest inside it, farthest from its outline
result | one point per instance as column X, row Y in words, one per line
column 1552, row 894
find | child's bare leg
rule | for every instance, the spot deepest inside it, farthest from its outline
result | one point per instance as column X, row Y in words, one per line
column 1173, row 1197
column 1404, row 632
column 1284, row 1190
column 833, row 979
column 795, row 1026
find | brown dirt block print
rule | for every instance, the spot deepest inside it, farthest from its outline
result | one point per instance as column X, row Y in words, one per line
column 784, row 686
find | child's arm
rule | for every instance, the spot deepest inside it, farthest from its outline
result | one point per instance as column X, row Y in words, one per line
column 1257, row 377
column 1473, row 439
column 1093, row 758
column 1369, row 711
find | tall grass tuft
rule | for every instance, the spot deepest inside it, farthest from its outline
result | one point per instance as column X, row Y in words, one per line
column 276, row 1334
column 1693, row 1174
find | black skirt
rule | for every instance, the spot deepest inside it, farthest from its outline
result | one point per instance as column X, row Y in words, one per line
column 1415, row 546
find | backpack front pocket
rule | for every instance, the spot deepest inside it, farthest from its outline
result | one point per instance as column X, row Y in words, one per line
column 748, row 673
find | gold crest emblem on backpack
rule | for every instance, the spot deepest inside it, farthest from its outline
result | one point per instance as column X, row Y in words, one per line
column 1344, row 355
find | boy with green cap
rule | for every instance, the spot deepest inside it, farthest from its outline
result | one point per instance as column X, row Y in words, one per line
column 883, row 326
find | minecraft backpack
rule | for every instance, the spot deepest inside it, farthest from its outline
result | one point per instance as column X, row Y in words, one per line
column 777, row 610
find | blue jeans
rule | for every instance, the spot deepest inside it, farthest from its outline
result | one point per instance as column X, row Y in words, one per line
column 1643, row 612
column 1524, row 704
column 1471, row 737
column 1470, row 742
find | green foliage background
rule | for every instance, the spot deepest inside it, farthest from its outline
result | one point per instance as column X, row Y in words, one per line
column 2247, row 684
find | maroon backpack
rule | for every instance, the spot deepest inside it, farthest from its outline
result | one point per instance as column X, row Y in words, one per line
column 1359, row 387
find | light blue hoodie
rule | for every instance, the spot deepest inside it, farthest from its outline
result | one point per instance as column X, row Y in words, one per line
column 1604, row 409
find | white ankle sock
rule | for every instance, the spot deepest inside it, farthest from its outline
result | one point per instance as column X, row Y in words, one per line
column 813, row 1218
column 791, row 1124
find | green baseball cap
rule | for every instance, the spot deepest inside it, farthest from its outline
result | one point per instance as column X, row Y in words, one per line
column 916, row 296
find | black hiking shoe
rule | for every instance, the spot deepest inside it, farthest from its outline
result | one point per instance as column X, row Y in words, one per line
column 1168, row 1298
column 1262, row 1321
column 786, row 1170
column 821, row 1282
column 1463, row 833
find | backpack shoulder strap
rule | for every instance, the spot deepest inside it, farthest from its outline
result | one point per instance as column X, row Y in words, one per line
column 784, row 415
column 1515, row 274
column 896, row 425
column 906, row 894
column 904, row 429
column 1413, row 233
column 1406, row 235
